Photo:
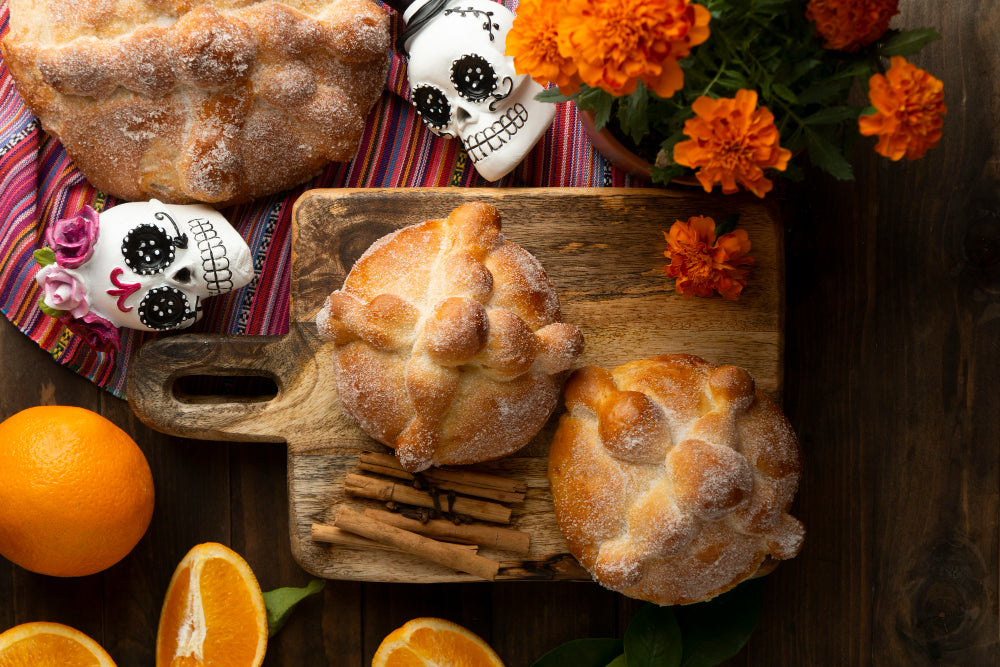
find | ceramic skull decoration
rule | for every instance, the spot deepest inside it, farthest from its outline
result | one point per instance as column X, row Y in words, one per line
column 464, row 86
column 142, row 265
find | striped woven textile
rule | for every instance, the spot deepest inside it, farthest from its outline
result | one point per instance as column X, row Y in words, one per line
column 41, row 185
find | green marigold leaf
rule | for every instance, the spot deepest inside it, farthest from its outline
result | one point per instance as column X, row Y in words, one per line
column 664, row 175
column 803, row 67
column 825, row 155
column 832, row 116
column 553, row 95
column 633, row 113
column 909, row 42
column 770, row 4
column 785, row 93
column 827, row 90
column 727, row 225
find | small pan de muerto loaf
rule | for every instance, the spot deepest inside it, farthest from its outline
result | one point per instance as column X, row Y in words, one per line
column 213, row 101
column 448, row 341
column 672, row 478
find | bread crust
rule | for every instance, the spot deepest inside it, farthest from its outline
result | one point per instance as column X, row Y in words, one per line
column 672, row 478
column 449, row 344
column 218, row 102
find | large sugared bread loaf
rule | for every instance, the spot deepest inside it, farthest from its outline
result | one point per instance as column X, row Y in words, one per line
column 449, row 344
column 216, row 101
column 672, row 478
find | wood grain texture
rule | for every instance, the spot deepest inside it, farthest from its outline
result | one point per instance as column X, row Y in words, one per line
column 891, row 358
column 893, row 346
column 603, row 250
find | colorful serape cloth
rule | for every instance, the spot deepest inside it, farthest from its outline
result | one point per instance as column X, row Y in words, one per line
column 40, row 185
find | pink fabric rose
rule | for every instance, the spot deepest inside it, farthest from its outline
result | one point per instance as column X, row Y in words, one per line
column 97, row 332
column 62, row 290
column 72, row 239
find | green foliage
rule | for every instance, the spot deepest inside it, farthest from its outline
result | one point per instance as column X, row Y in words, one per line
column 51, row 312
column 716, row 630
column 582, row 653
column 698, row 635
column 44, row 256
column 653, row 638
column 280, row 602
column 767, row 46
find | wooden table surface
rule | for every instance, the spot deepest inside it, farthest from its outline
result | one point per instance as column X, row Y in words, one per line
column 892, row 358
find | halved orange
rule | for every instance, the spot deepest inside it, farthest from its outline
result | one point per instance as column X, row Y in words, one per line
column 213, row 612
column 434, row 642
column 44, row 644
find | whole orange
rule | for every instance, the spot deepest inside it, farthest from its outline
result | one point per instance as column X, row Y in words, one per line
column 76, row 492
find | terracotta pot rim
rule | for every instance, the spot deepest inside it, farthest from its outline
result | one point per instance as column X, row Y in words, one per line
column 616, row 152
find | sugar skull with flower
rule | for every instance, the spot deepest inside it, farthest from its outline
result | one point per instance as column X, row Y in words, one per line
column 141, row 265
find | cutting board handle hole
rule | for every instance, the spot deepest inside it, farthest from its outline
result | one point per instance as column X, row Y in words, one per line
column 219, row 388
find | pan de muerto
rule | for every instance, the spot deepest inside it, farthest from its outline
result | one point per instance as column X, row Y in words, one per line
column 211, row 101
column 672, row 478
column 448, row 341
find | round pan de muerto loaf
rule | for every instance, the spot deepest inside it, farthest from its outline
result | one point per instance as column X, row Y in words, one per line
column 672, row 478
column 215, row 101
column 448, row 341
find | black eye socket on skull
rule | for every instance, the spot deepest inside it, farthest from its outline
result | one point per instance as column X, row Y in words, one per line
column 432, row 105
column 147, row 249
column 473, row 77
column 164, row 308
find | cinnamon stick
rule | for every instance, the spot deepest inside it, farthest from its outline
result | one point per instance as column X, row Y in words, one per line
column 377, row 489
column 450, row 555
column 469, row 482
column 321, row 532
column 485, row 536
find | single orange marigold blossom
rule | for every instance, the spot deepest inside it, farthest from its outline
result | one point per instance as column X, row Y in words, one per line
column 909, row 105
column 532, row 43
column 702, row 263
column 732, row 141
column 617, row 43
column 847, row 25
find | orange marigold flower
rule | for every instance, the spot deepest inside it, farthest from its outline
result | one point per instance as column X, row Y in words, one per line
column 532, row 42
column 732, row 141
column 702, row 263
column 616, row 44
column 909, row 105
column 847, row 25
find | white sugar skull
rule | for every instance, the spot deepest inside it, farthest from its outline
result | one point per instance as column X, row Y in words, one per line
column 143, row 265
column 464, row 86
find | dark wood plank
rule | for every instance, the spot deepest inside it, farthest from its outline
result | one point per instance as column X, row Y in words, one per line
column 893, row 294
column 892, row 313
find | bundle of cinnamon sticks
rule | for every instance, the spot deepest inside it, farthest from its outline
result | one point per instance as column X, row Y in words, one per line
column 441, row 522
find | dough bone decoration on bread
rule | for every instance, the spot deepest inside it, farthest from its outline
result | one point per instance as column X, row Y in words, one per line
column 215, row 101
column 672, row 478
column 448, row 341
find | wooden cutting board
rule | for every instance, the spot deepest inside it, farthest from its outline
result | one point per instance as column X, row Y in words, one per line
column 603, row 250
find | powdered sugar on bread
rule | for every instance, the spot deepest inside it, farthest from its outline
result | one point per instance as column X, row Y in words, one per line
column 672, row 478
column 261, row 95
column 449, row 346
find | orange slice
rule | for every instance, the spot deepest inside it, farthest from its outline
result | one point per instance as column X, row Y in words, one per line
column 434, row 642
column 213, row 613
column 44, row 644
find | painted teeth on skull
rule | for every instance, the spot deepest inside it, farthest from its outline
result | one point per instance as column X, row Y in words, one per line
column 214, row 261
column 481, row 144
